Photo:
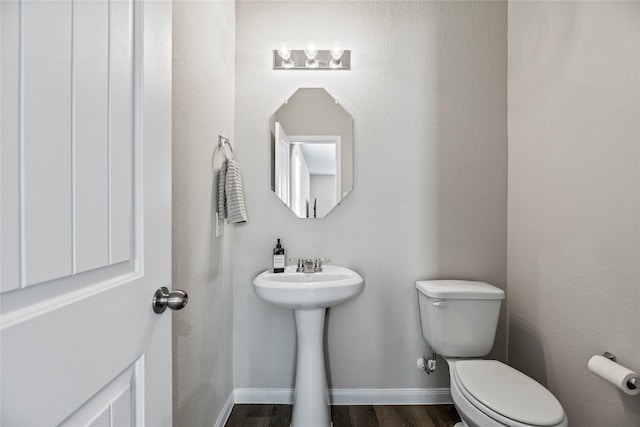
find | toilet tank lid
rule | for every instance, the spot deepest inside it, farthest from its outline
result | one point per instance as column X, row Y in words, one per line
column 459, row 289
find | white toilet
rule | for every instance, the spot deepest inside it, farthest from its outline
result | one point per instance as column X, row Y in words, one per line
column 459, row 320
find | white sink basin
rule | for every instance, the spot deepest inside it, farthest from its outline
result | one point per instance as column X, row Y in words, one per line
column 332, row 286
column 309, row 295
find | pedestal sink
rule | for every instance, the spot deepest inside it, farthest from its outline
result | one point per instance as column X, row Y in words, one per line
column 309, row 295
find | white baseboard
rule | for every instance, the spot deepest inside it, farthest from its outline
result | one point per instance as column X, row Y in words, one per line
column 264, row 395
column 352, row 396
column 390, row 396
column 226, row 410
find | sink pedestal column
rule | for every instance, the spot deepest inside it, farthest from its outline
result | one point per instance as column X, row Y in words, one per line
column 311, row 400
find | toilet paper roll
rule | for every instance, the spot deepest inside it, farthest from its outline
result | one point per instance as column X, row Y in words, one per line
column 614, row 373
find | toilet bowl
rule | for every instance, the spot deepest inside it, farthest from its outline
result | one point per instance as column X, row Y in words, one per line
column 459, row 320
column 488, row 393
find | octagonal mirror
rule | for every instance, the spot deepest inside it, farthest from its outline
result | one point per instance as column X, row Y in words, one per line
column 312, row 153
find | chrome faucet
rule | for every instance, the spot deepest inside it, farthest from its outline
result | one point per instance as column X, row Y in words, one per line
column 304, row 265
column 318, row 264
column 308, row 265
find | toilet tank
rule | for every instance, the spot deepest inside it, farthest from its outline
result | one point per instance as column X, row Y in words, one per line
column 459, row 318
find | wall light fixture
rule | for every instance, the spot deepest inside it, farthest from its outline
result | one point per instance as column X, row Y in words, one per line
column 312, row 58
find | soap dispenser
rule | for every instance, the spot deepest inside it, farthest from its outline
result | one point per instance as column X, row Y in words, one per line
column 278, row 258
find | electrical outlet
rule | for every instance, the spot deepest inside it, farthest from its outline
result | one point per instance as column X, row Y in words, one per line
column 422, row 364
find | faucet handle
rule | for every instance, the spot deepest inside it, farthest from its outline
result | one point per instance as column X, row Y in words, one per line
column 318, row 264
column 300, row 262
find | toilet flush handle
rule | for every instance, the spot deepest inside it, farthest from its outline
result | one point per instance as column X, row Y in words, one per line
column 442, row 303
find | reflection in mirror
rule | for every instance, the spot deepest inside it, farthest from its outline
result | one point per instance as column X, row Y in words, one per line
column 312, row 156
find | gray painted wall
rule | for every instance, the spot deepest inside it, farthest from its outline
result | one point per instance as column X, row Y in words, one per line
column 574, row 200
column 428, row 95
column 427, row 92
column 203, row 107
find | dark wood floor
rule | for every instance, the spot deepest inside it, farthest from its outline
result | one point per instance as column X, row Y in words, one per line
column 349, row 416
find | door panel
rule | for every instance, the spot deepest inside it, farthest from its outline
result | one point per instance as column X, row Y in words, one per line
column 90, row 151
column 111, row 406
column 45, row 140
column 121, row 130
column 85, row 223
column 10, row 146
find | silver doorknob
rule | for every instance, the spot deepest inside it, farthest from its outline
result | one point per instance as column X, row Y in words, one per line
column 175, row 300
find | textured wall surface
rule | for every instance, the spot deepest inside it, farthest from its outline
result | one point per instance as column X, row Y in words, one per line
column 427, row 91
column 574, row 200
column 203, row 98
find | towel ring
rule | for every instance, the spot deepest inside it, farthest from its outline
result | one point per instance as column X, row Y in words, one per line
column 222, row 143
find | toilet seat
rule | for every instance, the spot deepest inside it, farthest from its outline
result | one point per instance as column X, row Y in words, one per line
column 505, row 394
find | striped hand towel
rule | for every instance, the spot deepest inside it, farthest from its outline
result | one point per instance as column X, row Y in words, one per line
column 234, row 197
column 222, row 200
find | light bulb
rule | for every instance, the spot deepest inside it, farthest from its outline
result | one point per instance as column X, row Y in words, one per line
column 310, row 52
column 337, row 51
column 285, row 53
column 336, row 55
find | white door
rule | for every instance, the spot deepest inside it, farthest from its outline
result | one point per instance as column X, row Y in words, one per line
column 282, row 164
column 300, row 183
column 85, row 212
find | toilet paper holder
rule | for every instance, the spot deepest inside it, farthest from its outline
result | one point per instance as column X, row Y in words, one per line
column 633, row 383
